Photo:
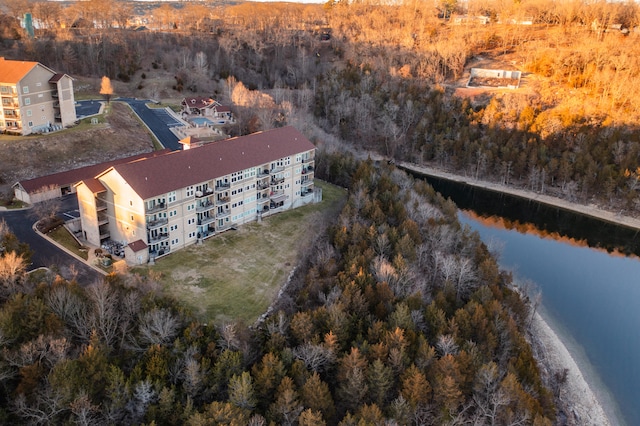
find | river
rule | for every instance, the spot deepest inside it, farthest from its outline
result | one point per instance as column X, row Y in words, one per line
column 590, row 289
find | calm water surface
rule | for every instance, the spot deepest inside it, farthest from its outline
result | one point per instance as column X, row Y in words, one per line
column 590, row 296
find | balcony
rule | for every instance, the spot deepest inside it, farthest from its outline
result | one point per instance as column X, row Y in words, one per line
column 151, row 224
column 278, row 196
column 102, row 219
column 161, row 252
column 306, row 193
column 263, row 200
column 205, row 220
column 205, row 193
column 276, row 181
column 203, row 207
column 306, row 170
column 278, row 169
column 153, row 239
column 104, row 235
column 227, row 225
column 263, row 173
column 156, row 208
column 307, row 182
column 307, row 160
column 262, row 186
column 223, row 213
column 223, row 200
column 54, row 94
column 222, row 187
column 101, row 205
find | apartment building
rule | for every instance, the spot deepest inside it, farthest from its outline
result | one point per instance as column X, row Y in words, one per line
column 157, row 205
column 34, row 98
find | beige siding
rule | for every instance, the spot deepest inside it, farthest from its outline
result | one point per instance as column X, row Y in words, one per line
column 36, row 105
column 88, row 214
column 125, row 210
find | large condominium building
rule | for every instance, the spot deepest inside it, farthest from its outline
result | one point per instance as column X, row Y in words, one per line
column 34, row 98
column 157, row 205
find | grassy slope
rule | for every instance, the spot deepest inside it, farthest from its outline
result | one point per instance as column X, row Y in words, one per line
column 237, row 274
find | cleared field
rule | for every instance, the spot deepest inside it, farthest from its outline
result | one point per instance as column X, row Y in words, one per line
column 236, row 275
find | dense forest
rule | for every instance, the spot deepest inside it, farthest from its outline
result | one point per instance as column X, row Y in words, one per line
column 398, row 315
column 384, row 78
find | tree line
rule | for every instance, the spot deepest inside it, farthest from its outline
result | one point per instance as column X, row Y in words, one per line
column 398, row 315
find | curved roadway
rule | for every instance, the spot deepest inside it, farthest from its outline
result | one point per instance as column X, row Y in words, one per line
column 46, row 254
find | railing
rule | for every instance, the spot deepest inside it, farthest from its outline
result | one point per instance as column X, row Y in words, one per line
column 156, row 223
column 223, row 213
column 54, row 94
column 158, row 238
column 205, row 220
column 307, row 182
column 223, row 200
column 307, row 170
column 306, row 193
column 204, row 207
column 226, row 226
column 262, row 186
column 160, row 252
column 222, row 187
column 277, row 181
column 307, row 160
column 102, row 220
column 101, row 205
column 156, row 208
column 205, row 193
column 263, row 173
column 277, row 170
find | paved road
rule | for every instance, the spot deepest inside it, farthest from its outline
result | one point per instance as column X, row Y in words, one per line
column 44, row 253
column 157, row 120
column 87, row 108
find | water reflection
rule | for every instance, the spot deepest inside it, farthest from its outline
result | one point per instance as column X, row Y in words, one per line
column 590, row 289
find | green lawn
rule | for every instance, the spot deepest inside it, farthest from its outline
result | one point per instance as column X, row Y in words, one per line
column 237, row 274
column 62, row 236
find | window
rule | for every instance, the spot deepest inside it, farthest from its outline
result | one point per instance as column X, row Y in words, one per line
column 191, row 207
column 191, row 221
column 298, row 158
column 38, row 84
column 236, row 176
column 25, row 89
column 174, row 242
column 131, row 217
column 298, row 170
column 27, row 101
column 189, row 191
column 171, row 197
column 130, row 202
column 31, row 124
column 40, row 95
column 29, row 113
column 173, row 213
column 173, row 228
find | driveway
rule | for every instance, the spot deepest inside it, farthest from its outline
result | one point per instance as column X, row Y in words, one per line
column 46, row 254
column 157, row 120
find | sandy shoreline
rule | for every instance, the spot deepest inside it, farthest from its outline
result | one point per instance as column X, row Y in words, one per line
column 577, row 400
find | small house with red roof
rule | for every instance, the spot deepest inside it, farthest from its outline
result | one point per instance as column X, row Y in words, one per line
column 205, row 107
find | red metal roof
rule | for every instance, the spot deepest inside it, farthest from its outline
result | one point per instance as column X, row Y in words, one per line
column 71, row 177
column 179, row 169
column 137, row 246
